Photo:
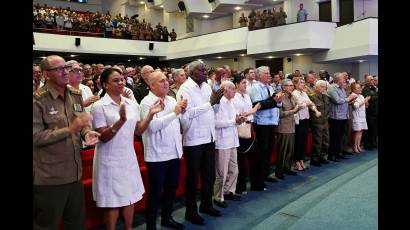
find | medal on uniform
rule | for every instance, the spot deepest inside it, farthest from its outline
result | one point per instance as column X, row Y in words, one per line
column 53, row 111
column 78, row 108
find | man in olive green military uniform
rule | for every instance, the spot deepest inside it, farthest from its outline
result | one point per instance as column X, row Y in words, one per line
column 310, row 84
column 319, row 125
column 370, row 135
column 58, row 121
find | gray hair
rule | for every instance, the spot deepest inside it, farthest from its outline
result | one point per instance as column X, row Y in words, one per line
column 320, row 83
column 193, row 65
column 71, row 62
column 176, row 72
column 260, row 69
column 285, row 81
column 337, row 76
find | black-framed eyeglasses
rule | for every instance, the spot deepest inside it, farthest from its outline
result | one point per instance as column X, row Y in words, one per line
column 60, row 69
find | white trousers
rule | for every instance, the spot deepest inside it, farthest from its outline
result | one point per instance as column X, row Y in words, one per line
column 226, row 172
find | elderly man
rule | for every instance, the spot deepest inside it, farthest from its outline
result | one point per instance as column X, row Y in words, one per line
column 179, row 78
column 310, row 84
column 59, row 123
column 320, row 125
column 142, row 89
column 36, row 77
column 75, row 78
column 338, row 115
column 370, row 135
column 162, row 151
column 88, row 71
column 276, row 84
column 198, row 125
column 227, row 141
column 266, row 120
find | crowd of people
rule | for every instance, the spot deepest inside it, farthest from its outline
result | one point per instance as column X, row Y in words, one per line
column 208, row 116
column 118, row 26
column 269, row 18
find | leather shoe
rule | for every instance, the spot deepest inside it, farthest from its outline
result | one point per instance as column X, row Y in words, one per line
column 315, row 163
column 231, row 196
column 290, row 172
column 333, row 159
column 210, row 211
column 221, row 204
column 323, row 161
column 271, row 179
column 171, row 223
column 280, row 176
column 195, row 219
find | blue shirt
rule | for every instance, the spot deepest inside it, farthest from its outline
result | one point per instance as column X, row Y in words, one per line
column 266, row 116
column 339, row 105
column 302, row 15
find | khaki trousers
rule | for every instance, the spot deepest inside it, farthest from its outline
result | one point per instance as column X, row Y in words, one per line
column 226, row 172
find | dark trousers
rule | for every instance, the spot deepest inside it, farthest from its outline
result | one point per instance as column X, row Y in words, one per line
column 265, row 135
column 53, row 203
column 336, row 131
column 199, row 159
column 301, row 132
column 320, row 138
column 370, row 135
column 255, row 176
column 163, row 180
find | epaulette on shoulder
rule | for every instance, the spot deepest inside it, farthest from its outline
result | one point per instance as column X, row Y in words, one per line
column 40, row 92
column 74, row 91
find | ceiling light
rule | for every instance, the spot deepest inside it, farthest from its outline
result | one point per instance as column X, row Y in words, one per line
column 205, row 16
column 141, row 58
column 242, row 55
column 162, row 6
column 142, row 2
column 199, row 59
column 43, row 57
column 129, row 59
column 270, row 57
column 219, row 57
column 298, row 54
column 72, row 55
column 238, row 8
column 361, row 60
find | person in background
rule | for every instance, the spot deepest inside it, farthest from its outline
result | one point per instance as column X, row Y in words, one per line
column 320, row 125
column 358, row 116
column 370, row 135
column 247, row 145
column 302, row 14
column 286, row 129
column 179, row 78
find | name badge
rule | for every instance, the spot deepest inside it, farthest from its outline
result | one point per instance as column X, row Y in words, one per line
column 78, row 108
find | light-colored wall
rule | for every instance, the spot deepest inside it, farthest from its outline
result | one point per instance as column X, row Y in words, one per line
column 304, row 64
column 208, row 26
column 151, row 15
column 369, row 6
column 92, row 5
column 362, row 68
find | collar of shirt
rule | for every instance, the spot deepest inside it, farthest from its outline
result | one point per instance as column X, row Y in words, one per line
column 53, row 91
column 193, row 84
column 106, row 100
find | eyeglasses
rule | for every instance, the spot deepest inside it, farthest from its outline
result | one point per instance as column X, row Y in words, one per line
column 60, row 69
column 76, row 70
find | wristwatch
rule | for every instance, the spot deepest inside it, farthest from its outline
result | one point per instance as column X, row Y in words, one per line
column 113, row 130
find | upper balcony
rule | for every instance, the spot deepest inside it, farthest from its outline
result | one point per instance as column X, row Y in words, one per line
column 323, row 40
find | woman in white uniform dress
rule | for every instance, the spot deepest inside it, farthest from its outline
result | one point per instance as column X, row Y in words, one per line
column 117, row 181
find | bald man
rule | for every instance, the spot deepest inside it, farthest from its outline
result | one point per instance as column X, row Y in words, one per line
column 162, row 151
column 142, row 88
column 227, row 140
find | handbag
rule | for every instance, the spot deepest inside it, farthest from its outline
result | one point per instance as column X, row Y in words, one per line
column 244, row 130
